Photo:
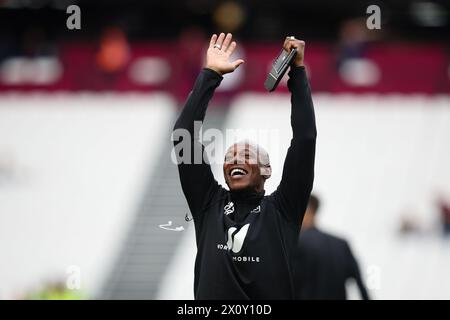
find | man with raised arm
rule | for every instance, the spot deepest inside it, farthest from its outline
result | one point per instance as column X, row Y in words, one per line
column 246, row 239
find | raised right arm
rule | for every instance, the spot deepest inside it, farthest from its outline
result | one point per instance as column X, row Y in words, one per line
column 197, row 180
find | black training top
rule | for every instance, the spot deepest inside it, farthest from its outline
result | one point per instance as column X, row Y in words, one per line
column 245, row 241
column 322, row 265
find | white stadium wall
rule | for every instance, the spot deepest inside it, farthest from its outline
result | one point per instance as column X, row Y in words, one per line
column 72, row 171
column 378, row 156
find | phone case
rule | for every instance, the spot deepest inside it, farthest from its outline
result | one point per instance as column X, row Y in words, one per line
column 279, row 68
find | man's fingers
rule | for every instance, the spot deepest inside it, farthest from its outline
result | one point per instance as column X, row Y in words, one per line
column 231, row 47
column 226, row 42
column 213, row 40
column 289, row 44
column 220, row 39
column 237, row 63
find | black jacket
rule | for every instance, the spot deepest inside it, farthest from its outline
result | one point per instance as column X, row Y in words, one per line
column 245, row 241
column 323, row 264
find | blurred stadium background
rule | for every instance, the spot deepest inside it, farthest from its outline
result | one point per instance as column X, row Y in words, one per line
column 86, row 115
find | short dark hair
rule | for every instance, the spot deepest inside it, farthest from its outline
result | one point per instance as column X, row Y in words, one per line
column 314, row 203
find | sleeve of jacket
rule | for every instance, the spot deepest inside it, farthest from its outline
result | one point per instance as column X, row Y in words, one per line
column 197, row 180
column 354, row 272
column 298, row 172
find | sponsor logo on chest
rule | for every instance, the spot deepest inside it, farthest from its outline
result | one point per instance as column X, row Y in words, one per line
column 236, row 237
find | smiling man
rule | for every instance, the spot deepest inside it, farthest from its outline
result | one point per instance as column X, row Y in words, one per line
column 246, row 239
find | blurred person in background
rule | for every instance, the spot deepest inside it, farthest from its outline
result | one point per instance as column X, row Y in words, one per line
column 245, row 240
column 192, row 43
column 354, row 38
column 444, row 210
column 114, row 52
column 323, row 263
column 409, row 225
column 112, row 58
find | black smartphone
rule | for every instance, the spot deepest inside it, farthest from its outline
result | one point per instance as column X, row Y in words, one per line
column 279, row 68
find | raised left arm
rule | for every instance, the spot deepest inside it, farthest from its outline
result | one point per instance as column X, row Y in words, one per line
column 298, row 172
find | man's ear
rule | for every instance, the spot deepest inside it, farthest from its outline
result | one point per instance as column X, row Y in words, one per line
column 266, row 172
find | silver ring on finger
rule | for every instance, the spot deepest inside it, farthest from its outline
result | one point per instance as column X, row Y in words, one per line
column 217, row 46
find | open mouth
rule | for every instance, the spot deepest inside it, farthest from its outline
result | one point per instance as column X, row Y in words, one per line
column 237, row 172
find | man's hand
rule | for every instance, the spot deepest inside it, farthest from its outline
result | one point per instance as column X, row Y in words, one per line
column 219, row 52
column 291, row 43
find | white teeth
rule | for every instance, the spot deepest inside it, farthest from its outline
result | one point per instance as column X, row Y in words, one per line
column 237, row 171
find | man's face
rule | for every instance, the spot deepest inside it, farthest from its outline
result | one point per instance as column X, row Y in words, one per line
column 241, row 169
